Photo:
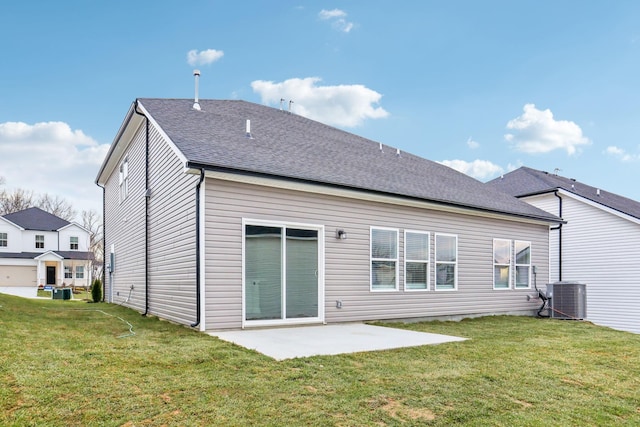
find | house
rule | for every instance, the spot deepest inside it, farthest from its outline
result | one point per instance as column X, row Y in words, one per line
column 38, row 249
column 232, row 215
column 599, row 244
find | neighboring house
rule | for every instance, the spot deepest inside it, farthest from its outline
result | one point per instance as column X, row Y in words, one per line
column 38, row 249
column 237, row 215
column 599, row 245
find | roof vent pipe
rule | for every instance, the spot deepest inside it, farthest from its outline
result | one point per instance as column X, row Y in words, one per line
column 248, row 130
column 196, row 74
column 290, row 102
column 598, row 192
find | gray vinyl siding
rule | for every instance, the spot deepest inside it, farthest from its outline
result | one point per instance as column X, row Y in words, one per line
column 172, row 236
column 124, row 228
column 602, row 250
column 347, row 262
column 172, row 258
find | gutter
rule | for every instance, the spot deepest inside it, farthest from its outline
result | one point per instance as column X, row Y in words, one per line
column 146, row 211
column 559, row 228
column 198, row 296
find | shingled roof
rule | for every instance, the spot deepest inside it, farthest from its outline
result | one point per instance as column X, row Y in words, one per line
column 525, row 181
column 36, row 219
column 290, row 146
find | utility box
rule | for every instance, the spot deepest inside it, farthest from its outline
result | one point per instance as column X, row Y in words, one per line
column 64, row 293
column 567, row 300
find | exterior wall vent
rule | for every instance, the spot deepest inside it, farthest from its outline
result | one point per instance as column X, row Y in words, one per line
column 567, row 300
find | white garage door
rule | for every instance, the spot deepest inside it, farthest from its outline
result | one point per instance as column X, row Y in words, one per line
column 11, row 275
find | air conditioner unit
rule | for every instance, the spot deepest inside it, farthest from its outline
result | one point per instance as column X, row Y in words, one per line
column 567, row 300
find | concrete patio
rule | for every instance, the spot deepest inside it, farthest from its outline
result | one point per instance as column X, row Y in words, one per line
column 305, row 341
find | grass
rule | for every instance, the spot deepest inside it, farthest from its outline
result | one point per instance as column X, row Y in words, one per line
column 64, row 363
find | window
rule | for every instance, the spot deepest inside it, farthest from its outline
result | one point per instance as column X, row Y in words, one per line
column 67, row 272
column 501, row 264
column 123, row 179
column 416, row 260
column 384, row 259
column 523, row 264
column 3, row 240
column 79, row 272
column 73, row 243
column 39, row 241
column 446, row 262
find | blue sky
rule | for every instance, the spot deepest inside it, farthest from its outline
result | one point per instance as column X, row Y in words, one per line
column 483, row 86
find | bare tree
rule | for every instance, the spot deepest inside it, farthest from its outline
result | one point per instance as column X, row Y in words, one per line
column 16, row 201
column 56, row 205
column 92, row 221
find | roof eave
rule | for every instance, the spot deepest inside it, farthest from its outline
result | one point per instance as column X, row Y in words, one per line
column 116, row 149
column 197, row 166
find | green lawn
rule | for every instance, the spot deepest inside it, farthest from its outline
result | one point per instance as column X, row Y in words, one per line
column 65, row 363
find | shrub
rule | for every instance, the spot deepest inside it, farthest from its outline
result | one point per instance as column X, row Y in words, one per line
column 96, row 290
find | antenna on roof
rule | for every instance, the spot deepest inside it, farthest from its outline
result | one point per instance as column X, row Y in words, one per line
column 556, row 170
column 196, row 75
column 290, row 102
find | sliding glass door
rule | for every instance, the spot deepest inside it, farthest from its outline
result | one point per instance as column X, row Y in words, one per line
column 281, row 273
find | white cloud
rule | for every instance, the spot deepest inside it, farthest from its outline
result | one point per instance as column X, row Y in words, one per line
column 203, row 57
column 342, row 105
column 536, row 131
column 621, row 154
column 50, row 157
column 472, row 144
column 337, row 18
column 478, row 169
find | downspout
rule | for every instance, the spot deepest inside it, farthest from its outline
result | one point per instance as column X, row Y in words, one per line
column 559, row 228
column 197, row 322
column 104, row 242
column 146, row 211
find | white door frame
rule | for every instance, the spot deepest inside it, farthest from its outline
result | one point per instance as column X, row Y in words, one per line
column 296, row 321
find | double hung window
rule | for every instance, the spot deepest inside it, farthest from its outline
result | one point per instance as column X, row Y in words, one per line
column 446, row 249
column 3, row 240
column 123, row 179
column 523, row 264
column 501, row 264
column 39, row 241
column 416, row 260
column 384, row 259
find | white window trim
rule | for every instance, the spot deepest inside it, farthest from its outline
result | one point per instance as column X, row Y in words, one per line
column 371, row 258
column 82, row 269
column 408, row 260
column 516, row 265
column 77, row 243
column 36, row 241
column 436, row 262
column 321, row 267
column 509, row 265
column 5, row 240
